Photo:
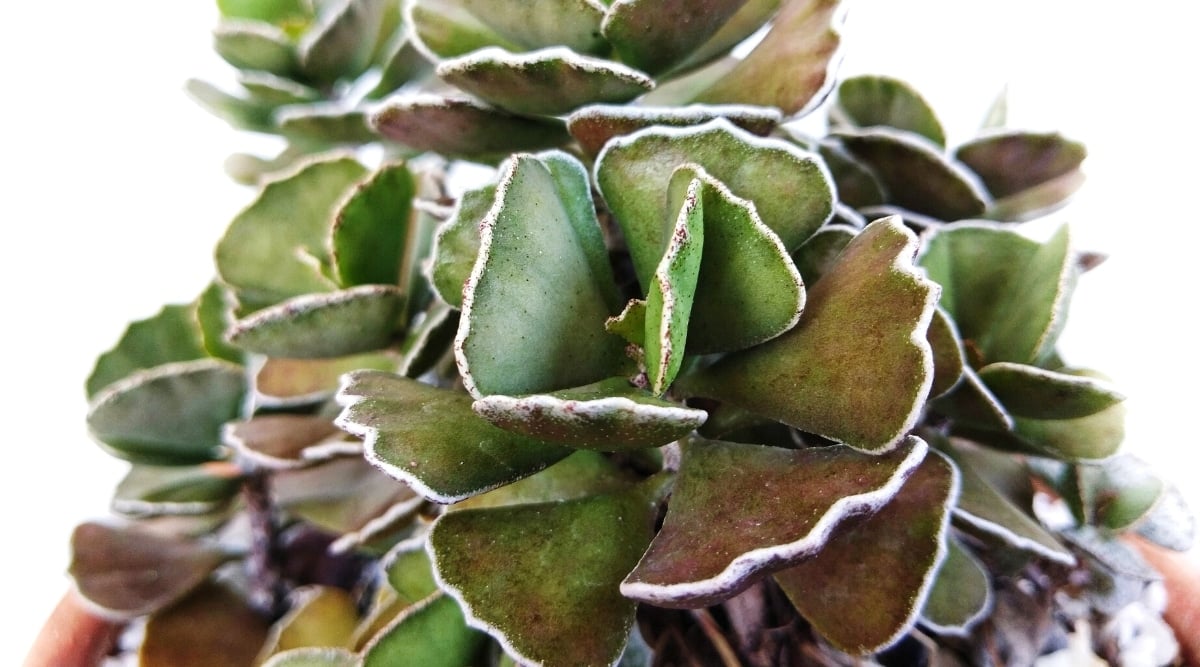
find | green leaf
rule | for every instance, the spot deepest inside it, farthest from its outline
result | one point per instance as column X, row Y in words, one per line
column 172, row 334
column 403, row 63
column 318, row 616
column 268, row 252
column 409, row 571
column 542, row 579
column 371, row 227
column 915, row 174
column 291, row 382
column 212, row 626
column 971, row 404
column 857, row 185
column 542, row 275
column 739, row 27
column 255, row 45
column 869, row 101
column 278, row 441
column 432, row 440
column 214, row 311
column 277, row 12
column 1012, row 162
column 547, row 82
column 457, row 244
column 271, row 90
column 449, row 28
column 321, row 326
column 948, row 354
column 865, row 390
column 1029, row 391
column 460, row 127
column 129, row 571
column 240, row 113
column 323, row 123
column 429, row 341
column 866, row 586
column 961, row 595
column 790, row 67
column 431, row 633
column 1170, row 523
column 1007, row 294
column 671, row 292
column 583, row 473
column 314, row 657
column 170, row 414
column 655, row 35
column 156, row 490
column 791, row 189
column 816, row 256
column 610, row 415
column 593, row 126
column 739, row 512
column 1088, row 438
column 1119, row 491
column 630, row 324
column 340, row 46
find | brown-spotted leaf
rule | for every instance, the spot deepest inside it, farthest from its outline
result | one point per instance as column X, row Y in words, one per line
column 460, row 127
column 864, row 589
column 740, row 512
column 594, row 125
column 865, row 389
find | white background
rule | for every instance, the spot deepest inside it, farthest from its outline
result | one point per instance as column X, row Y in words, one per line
column 113, row 197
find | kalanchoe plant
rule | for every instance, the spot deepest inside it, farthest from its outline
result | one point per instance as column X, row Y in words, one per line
column 681, row 384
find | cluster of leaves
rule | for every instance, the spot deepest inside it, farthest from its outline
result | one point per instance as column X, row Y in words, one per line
column 681, row 351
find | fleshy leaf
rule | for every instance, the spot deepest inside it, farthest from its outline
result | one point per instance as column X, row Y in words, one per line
column 129, row 571
column 157, row 490
column 314, row 657
column 739, row 512
column 1082, row 439
column 212, row 626
column 816, row 256
column 916, row 175
column 542, row 579
column 450, row 28
column 318, row 616
column 409, row 571
column 267, row 253
column 864, row 589
column 865, row 390
column 255, row 46
column 288, row 382
column 583, row 473
column 429, row 341
column 240, row 113
column 170, row 414
column 277, row 441
column 343, row 41
column 630, row 323
column 610, row 415
column 214, row 312
column 460, row 127
column 431, row 633
column 654, row 35
column 342, row 495
column 321, row 326
column 791, row 67
column 948, row 354
column 752, row 16
column 970, row 403
column 1119, row 491
column 324, row 123
column 542, row 275
column 431, row 439
column 371, row 228
column 593, row 126
column 273, row 90
column 457, row 244
column 672, row 291
column 869, row 101
column 1012, row 162
column 1029, row 391
column 403, row 63
column 173, row 334
column 790, row 188
column 1007, row 294
column 547, row 82
column 857, row 185
column 961, row 595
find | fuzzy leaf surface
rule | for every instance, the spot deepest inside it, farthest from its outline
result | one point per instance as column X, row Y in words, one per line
column 542, row 275
column 265, row 254
column 212, row 626
column 610, row 415
column 322, row 326
column 542, row 579
column 431, row 633
column 790, row 67
column 866, row 586
column 654, row 35
column 173, row 334
column 371, row 227
column 584, row 473
column 256, row 46
column 460, row 127
column 948, row 353
column 546, row 82
column 971, row 404
column 431, row 439
column 170, row 414
column 1029, row 391
column 752, row 16
column 739, row 512
column 457, row 244
column 450, row 28
column 869, row 101
column 594, row 125
column 816, row 256
column 865, row 390
column 790, row 188
column 1012, row 162
column 961, row 595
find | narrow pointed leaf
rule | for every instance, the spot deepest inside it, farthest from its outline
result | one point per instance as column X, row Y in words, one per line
column 129, row 571
column 431, row 439
column 869, row 101
column 457, row 244
column 1007, row 294
column 543, row 579
column 321, row 326
column 864, row 589
column 460, row 127
column 948, row 354
column 323, row 123
column 593, row 126
column 547, row 82
column 158, row 490
column 170, row 414
column 173, row 334
column 343, row 41
column 318, row 616
column 543, row 275
column 450, row 28
column 740, row 512
column 791, row 67
column 371, row 227
column 610, row 415
column 1012, row 162
column 314, row 657
column 256, row 46
column 790, row 188
column 431, row 633
column 1029, row 391
column 212, row 626
column 916, row 175
column 653, row 35
column 961, row 595
column 277, row 441
column 671, row 292
column 866, row 391
column 583, row 473
column 265, row 254
column 816, row 256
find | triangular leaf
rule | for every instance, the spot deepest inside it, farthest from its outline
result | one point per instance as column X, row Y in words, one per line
column 322, row 326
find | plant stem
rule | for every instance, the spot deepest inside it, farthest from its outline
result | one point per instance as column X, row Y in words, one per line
column 262, row 565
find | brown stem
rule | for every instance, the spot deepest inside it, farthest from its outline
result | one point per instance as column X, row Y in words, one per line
column 262, row 566
column 709, row 626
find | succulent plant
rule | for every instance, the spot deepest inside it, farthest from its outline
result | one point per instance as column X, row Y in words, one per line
column 679, row 384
